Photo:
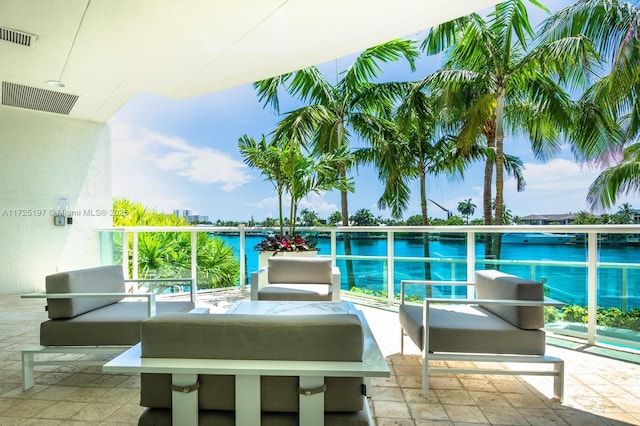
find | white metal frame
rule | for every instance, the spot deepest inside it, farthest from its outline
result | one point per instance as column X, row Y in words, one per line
column 558, row 364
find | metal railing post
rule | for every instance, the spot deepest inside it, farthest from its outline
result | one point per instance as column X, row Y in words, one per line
column 592, row 286
column 333, row 246
column 134, row 255
column 390, row 267
column 243, row 251
column 125, row 255
column 194, row 256
column 624, row 289
column 471, row 261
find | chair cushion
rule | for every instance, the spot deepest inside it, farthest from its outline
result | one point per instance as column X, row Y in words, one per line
column 116, row 324
column 469, row 329
column 299, row 270
column 103, row 279
column 491, row 284
column 295, row 292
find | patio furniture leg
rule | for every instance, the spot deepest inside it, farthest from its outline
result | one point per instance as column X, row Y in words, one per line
column 184, row 402
column 558, row 380
column 247, row 400
column 27, row 370
column 311, row 400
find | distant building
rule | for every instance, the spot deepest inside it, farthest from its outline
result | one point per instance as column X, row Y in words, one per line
column 182, row 213
column 197, row 218
column 191, row 218
column 549, row 219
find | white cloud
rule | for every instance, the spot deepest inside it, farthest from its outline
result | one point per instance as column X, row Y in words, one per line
column 559, row 186
column 314, row 202
column 171, row 154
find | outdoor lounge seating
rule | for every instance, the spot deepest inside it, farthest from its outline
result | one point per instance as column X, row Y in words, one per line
column 296, row 278
column 254, row 369
column 504, row 323
column 89, row 314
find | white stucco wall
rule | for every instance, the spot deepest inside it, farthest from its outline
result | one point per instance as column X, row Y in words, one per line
column 42, row 157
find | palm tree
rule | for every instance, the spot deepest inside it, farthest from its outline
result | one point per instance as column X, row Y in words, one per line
column 608, row 126
column 268, row 157
column 495, row 88
column 466, row 208
column 336, row 113
column 414, row 151
column 284, row 163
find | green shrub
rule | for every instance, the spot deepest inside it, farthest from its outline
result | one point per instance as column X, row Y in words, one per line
column 606, row 317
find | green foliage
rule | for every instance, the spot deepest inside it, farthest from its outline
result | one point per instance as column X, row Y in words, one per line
column 550, row 314
column 574, row 313
column 383, row 294
column 168, row 254
column 606, row 317
column 335, row 217
column 363, row 217
column 415, row 220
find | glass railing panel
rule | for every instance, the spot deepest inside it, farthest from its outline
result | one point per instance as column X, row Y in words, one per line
column 439, row 257
column 618, row 292
column 110, row 249
column 362, row 259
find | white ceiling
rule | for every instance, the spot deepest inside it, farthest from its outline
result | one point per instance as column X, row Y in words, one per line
column 104, row 51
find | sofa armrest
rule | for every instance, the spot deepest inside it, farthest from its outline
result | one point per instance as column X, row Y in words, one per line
column 258, row 281
column 335, row 284
column 430, row 283
column 546, row 302
column 151, row 297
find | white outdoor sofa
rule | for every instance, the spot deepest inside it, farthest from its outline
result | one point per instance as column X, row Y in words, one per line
column 503, row 323
column 250, row 369
column 91, row 313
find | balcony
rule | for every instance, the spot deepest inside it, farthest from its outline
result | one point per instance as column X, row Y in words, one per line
column 601, row 384
column 601, row 371
column 593, row 269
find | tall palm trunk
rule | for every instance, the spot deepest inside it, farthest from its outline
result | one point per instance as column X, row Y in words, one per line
column 487, row 185
column 499, row 208
column 425, row 221
column 344, row 210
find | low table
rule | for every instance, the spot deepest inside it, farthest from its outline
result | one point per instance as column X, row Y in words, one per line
column 268, row 307
column 184, row 372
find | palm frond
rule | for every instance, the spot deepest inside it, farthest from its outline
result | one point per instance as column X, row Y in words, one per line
column 366, row 66
column 622, row 179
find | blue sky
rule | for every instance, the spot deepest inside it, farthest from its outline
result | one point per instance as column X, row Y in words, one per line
column 182, row 154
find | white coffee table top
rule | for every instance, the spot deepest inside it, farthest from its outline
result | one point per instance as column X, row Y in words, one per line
column 267, row 307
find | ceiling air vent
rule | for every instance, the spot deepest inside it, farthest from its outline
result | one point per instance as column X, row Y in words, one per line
column 17, row 37
column 38, row 99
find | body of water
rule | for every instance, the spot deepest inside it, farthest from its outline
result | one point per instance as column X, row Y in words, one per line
column 619, row 285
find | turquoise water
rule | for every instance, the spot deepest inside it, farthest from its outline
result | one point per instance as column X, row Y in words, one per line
column 564, row 283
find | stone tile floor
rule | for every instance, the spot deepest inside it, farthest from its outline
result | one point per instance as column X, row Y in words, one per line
column 599, row 390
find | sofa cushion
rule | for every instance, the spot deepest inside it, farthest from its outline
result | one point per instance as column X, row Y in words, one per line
column 336, row 337
column 491, row 284
column 295, row 292
column 103, row 279
column 115, row 324
column 299, row 270
column 469, row 329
